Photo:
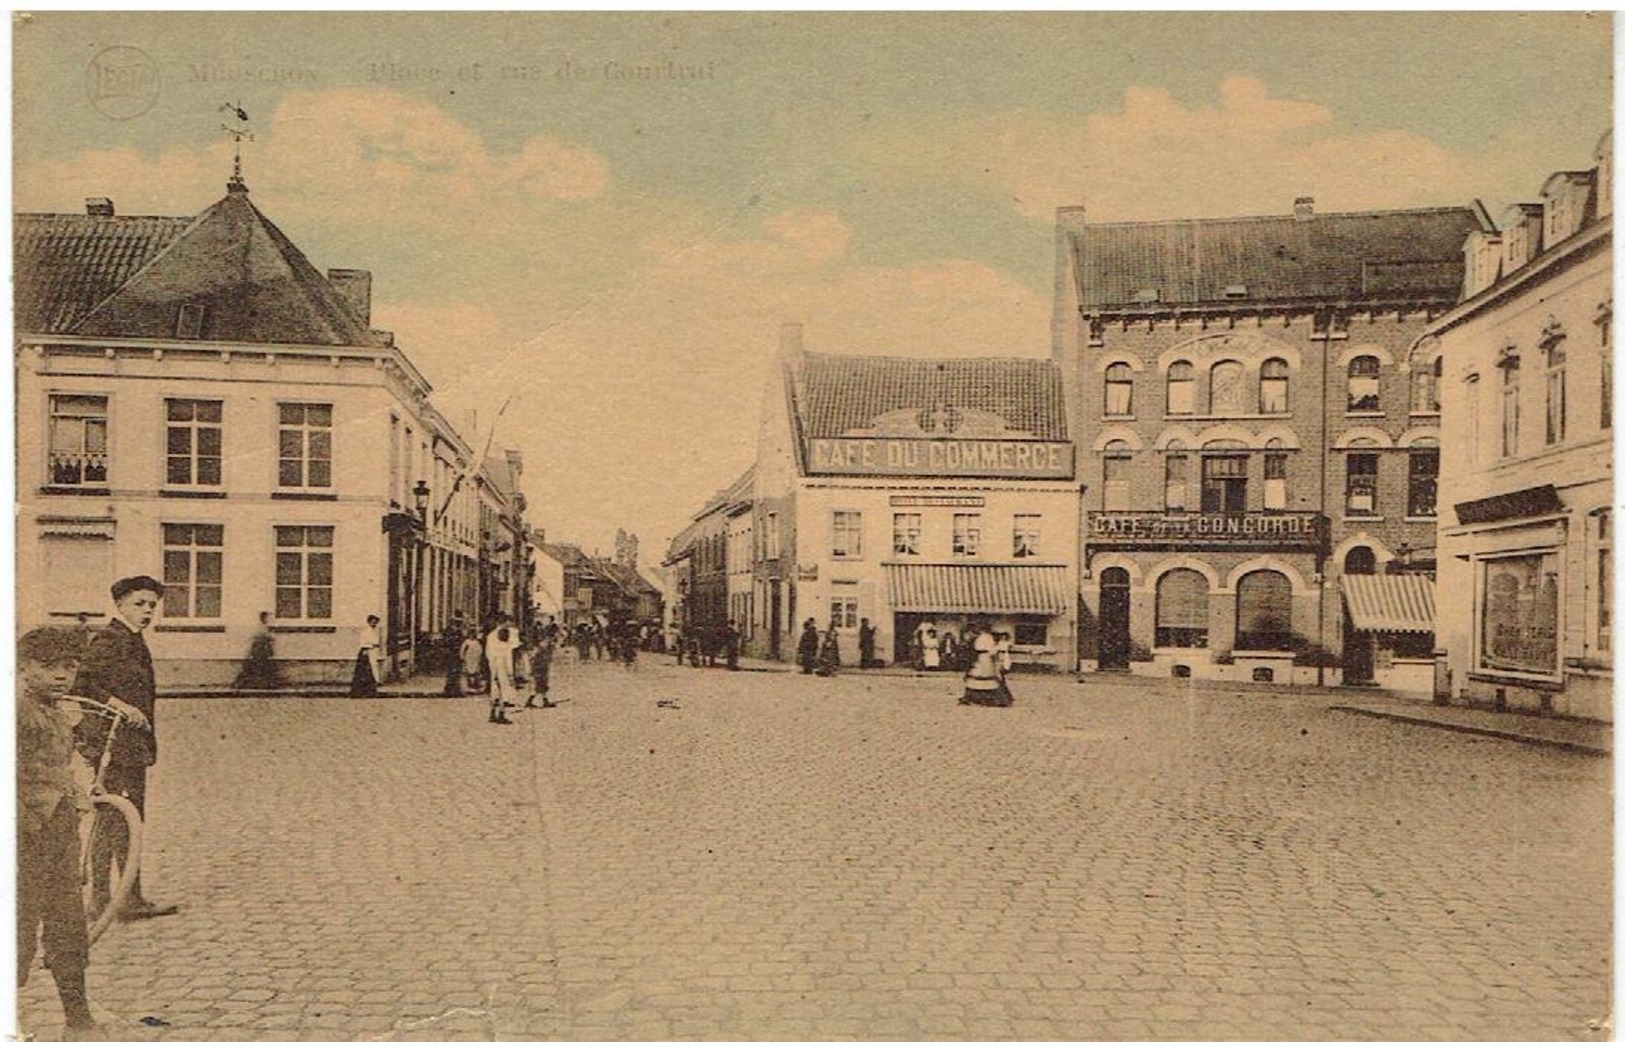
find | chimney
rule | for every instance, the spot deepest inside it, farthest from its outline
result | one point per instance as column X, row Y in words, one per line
column 355, row 286
column 99, row 206
column 1303, row 207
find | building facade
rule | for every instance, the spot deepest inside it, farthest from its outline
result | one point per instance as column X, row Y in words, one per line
column 1259, row 431
column 916, row 492
column 215, row 424
column 1526, row 529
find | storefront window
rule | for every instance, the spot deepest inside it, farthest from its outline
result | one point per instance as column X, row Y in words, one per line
column 1263, row 612
column 1519, row 614
column 1182, row 609
column 1032, row 630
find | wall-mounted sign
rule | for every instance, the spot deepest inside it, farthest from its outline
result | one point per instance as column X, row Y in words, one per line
column 940, row 457
column 1145, row 529
column 939, row 501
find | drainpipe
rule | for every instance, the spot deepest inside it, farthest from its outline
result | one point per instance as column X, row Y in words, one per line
column 1321, row 548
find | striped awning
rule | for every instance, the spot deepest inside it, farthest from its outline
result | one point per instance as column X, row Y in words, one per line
column 1390, row 603
column 1001, row 589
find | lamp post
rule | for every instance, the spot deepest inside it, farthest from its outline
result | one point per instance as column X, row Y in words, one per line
column 420, row 539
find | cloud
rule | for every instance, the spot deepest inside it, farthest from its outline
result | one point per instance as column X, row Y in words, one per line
column 1156, row 158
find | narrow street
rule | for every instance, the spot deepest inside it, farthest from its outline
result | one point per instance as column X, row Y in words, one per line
column 680, row 853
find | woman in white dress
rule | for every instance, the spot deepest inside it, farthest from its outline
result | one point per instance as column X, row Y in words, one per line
column 931, row 648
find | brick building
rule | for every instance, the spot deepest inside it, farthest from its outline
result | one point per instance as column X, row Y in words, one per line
column 1259, row 436
column 1526, row 519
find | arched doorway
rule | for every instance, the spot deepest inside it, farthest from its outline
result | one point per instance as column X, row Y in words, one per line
column 1357, row 651
column 1114, row 609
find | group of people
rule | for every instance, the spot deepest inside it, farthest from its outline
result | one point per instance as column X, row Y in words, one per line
column 111, row 666
column 981, row 653
column 701, row 644
column 508, row 659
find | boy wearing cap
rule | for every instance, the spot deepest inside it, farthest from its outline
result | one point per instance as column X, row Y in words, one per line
column 117, row 670
column 48, row 900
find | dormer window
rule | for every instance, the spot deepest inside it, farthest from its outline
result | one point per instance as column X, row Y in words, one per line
column 1235, row 291
column 1147, row 296
column 189, row 324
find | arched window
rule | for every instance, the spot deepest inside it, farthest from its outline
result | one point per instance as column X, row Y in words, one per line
column 1176, row 478
column 1362, row 560
column 1272, row 386
column 1119, row 390
column 1225, row 397
column 1181, row 388
column 1263, row 612
column 1115, row 463
column 1365, row 387
column 1182, row 609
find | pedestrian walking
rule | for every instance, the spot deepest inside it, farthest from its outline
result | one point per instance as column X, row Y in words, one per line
column 259, row 672
column 730, row 645
column 499, row 647
column 49, row 906
column 807, row 647
column 829, row 655
column 368, row 661
column 117, row 671
column 542, row 668
column 983, row 686
column 472, row 659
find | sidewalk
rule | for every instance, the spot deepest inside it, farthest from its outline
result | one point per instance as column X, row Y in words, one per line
column 1581, row 736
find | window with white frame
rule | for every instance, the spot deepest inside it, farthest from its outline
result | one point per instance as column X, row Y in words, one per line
column 193, row 570
column 967, row 535
column 1557, row 419
column 305, row 445
column 1360, row 487
column 77, row 440
column 905, row 534
column 846, row 536
column 1119, row 389
column 1026, row 532
column 1176, row 478
column 1181, row 389
column 192, row 441
column 843, row 606
column 1365, row 384
column 1272, row 386
column 1115, row 463
column 304, row 571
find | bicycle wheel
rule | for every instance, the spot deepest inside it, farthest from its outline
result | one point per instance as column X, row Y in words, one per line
column 110, row 818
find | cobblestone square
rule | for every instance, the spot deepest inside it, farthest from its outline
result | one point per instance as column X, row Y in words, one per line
column 684, row 854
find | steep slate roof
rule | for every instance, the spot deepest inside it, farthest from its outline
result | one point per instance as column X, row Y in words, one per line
column 841, row 393
column 67, row 263
column 253, row 283
column 567, row 554
column 628, row 578
column 1404, row 254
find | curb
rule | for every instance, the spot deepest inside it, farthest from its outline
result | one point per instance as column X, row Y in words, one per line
column 1473, row 729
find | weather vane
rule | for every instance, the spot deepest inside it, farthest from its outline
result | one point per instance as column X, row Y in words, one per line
column 238, row 131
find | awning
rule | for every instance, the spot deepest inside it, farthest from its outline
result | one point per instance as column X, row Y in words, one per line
column 1390, row 603
column 989, row 589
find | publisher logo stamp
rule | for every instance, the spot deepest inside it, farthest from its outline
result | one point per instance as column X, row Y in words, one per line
column 122, row 82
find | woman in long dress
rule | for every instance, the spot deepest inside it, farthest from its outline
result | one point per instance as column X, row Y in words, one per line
column 931, row 649
column 983, row 686
column 364, row 681
column 829, row 656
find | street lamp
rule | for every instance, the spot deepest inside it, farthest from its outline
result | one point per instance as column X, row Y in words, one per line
column 420, row 499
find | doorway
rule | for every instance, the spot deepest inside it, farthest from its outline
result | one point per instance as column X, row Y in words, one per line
column 1114, row 629
column 775, row 600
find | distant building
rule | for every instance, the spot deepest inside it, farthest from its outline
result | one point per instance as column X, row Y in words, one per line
column 198, row 402
column 1526, row 529
column 915, row 492
column 1259, row 434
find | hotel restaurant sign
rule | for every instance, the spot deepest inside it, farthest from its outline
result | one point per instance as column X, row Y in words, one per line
column 941, row 457
column 1303, row 532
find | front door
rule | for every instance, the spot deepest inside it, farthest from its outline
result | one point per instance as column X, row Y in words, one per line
column 1114, row 606
column 776, row 609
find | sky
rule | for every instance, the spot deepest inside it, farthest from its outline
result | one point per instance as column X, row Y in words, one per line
column 605, row 219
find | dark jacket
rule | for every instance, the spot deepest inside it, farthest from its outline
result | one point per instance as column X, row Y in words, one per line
column 118, row 665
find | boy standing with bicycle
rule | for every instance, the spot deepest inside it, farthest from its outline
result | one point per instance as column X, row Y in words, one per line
column 48, row 894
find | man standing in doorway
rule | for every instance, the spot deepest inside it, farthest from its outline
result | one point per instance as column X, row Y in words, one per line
column 117, row 671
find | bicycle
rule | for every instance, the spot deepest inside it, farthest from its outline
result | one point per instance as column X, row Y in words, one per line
column 96, row 823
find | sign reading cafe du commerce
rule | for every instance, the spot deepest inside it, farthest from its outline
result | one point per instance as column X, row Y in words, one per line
column 1005, row 458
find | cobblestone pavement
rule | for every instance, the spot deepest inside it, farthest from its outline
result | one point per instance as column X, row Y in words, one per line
column 776, row 856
